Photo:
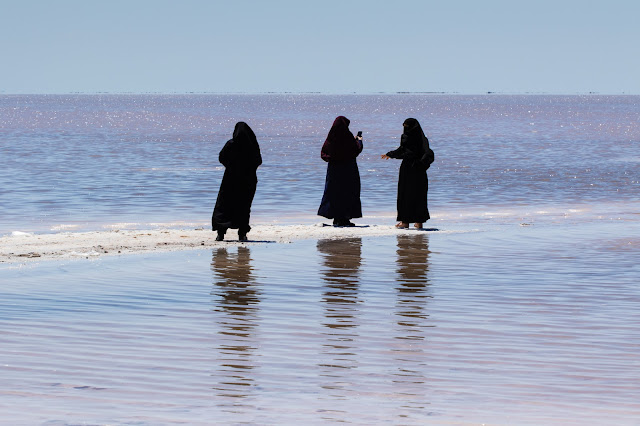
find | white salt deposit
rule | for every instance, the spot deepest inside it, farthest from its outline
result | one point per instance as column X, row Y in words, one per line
column 22, row 246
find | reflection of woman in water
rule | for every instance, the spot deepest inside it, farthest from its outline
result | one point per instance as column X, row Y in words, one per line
column 237, row 318
column 234, row 279
column 412, row 267
column 341, row 199
column 413, row 184
column 340, row 273
column 342, row 259
column 241, row 157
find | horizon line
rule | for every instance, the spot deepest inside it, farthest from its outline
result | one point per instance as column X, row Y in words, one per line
column 399, row 92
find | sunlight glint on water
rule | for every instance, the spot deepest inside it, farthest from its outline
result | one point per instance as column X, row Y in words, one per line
column 376, row 329
column 89, row 161
column 521, row 309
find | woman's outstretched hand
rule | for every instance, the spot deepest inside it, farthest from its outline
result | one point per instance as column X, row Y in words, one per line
column 385, row 157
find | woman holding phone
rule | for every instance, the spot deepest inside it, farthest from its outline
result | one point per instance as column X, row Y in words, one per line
column 341, row 198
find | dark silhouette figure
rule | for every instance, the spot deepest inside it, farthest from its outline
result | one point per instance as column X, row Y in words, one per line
column 241, row 157
column 341, row 199
column 413, row 183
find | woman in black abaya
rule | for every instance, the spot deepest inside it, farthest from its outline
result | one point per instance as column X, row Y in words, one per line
column 341, row 198
column 241, row 157
column 413, row 183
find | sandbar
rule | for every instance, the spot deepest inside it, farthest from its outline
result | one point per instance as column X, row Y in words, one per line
column 20, row 247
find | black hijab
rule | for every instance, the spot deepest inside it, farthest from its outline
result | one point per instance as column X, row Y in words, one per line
column 414, row 140
column 243, row 148
column 244, row 138
column 340, row 144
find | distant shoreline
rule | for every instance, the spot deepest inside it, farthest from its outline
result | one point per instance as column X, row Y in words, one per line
column 204, row 93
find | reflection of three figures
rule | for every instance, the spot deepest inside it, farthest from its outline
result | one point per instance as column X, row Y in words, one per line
column 238, row 298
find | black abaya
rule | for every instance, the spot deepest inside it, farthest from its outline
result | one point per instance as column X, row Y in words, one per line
column 341, row 198
column 413, row 183
column 241, row 157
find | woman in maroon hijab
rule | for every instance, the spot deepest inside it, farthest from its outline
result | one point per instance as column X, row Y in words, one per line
column 341, row 199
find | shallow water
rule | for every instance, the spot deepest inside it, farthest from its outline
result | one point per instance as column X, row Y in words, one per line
column 75, row 162
column 507, row 325
column 521, row 309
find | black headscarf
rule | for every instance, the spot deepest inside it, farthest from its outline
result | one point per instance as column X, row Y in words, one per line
column 340, row 144
column 414, row 140
column 242, row 148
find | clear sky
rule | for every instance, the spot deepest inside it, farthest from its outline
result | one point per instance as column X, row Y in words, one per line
column 329, row 46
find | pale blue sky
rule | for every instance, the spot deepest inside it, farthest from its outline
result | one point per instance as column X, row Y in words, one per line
column 363, row 46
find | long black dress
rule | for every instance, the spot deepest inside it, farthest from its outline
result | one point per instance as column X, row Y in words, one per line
column 241, row 157
column 341, row 198
column 413, row 183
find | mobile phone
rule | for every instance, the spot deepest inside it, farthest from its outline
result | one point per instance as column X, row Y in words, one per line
column 360, row 134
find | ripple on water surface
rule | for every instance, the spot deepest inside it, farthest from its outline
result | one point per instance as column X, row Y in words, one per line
column 500, row 326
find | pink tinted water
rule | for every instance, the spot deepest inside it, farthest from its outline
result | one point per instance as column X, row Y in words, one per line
column 521, row 309
column 507, row 325
column 89, row 161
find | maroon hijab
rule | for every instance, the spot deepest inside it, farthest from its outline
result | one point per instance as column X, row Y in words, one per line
column 340, row 144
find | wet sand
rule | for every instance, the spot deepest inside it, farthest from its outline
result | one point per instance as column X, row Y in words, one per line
column 24, row 247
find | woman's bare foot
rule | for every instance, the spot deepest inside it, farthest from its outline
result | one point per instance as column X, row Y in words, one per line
column 418, row 226
column 402, row 225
